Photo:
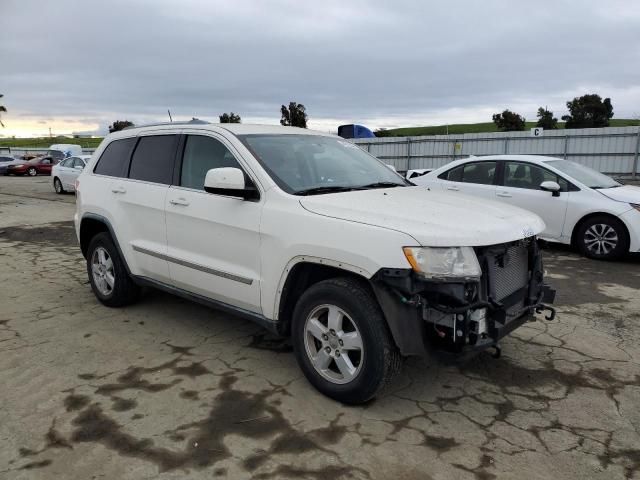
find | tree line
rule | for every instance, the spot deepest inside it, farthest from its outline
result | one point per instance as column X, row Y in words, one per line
column 587, row 111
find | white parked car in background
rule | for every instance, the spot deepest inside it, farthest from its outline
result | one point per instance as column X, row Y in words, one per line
column 64, row 174
column 579, row 205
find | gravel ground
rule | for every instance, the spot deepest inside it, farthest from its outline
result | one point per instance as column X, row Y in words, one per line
column 170, row 389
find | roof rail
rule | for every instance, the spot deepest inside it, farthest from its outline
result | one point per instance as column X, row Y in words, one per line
column 193, row 121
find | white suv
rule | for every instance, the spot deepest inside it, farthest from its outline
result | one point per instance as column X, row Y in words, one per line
column 311, row 237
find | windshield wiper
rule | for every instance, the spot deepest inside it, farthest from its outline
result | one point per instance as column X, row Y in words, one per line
column 323, row 189
column 380, row 185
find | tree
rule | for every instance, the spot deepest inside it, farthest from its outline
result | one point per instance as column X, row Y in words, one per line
column 3, row 109
column 294, row 116
column 508, row 121
column 588, row 111
column 120, row 125
column 382, row 132
column 230, row 118
column 546, row 119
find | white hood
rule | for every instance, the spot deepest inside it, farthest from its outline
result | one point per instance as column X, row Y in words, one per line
column 432, row 218
column 626, row 193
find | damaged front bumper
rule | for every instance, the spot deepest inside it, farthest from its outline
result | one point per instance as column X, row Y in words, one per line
column 465, row 316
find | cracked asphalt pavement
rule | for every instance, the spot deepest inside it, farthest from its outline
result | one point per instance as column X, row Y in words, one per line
column 170, row 389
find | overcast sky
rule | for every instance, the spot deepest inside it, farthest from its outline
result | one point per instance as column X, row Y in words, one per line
column 79, row 65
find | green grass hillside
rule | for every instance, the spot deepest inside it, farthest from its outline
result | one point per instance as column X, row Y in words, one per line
column 44, row 142
column 459, row 129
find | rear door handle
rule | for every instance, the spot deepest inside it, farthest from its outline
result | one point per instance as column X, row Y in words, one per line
column 118, row 190
column 179, row 201
column 504, row 194
column 453, row 189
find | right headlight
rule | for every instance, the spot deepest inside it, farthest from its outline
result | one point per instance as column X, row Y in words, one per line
column 444, row 262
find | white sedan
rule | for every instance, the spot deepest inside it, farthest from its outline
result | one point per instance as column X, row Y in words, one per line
column 64, row 174
column 579, row 205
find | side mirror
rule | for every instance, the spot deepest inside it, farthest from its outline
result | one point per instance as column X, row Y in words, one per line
column 229, row 181
column 78, row 167
column 552, row 187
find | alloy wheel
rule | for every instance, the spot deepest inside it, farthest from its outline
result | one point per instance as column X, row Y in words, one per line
column 102, row 271
column 32, row 172
column 601, row 239
column 333, row 344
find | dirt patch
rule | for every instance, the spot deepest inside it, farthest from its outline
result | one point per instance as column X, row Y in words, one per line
column 56, row 234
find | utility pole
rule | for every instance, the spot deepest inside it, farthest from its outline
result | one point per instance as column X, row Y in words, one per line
column 49, row 132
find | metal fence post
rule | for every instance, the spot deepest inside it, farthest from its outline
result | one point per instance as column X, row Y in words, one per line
column 506, row 145
column 635, row 159
column 566, row 145
column 408, row 153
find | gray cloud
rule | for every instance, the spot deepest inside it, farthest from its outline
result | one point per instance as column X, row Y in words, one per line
column 389, row 63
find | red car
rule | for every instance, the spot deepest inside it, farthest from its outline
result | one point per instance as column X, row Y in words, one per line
column 41, row 165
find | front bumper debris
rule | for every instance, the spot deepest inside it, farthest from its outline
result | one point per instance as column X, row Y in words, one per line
column 466, row 316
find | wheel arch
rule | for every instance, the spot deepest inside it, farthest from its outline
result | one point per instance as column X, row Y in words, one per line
column 589, row 216
column 299, row 275
column 91, row 225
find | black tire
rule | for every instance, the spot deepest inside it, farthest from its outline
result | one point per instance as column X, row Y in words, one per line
column 380, row 359
column 57, row 186
column 612, row 228
column 125, row 291
column 32, row 172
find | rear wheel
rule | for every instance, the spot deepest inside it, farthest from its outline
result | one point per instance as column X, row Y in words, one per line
column 57, row 185
column 108, row 275
column 32, row 172
column 341, row 341
column 603, row 238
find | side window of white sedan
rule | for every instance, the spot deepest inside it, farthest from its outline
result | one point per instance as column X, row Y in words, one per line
column 530, row 176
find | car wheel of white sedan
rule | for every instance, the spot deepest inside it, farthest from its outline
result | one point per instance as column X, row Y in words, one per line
column 603, row 238
column 57, row 185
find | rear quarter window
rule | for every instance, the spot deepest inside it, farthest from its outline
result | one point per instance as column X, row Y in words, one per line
column 115, row 158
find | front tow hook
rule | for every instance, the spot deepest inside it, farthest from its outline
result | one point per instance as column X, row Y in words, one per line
column 552, row 311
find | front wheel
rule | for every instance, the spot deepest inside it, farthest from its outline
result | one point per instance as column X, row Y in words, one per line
column 32, row 172
column 108, row 275
column 603, row 238
column 341, row 341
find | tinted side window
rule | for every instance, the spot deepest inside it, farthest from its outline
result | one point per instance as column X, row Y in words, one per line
column 78, row 163
column 526, row 175
column 481, row 173
column 152, row 159
column 67, row 163
column 115, row 158
column 453, row 175
column 200, row 155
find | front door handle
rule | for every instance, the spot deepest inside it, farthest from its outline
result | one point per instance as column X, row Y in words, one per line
column 179, row 201
column 504, row 194
column 118, row 189
column 453, row 189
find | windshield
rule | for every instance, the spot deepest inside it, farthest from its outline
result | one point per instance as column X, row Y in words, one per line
column 313, row 164
column 588, row 176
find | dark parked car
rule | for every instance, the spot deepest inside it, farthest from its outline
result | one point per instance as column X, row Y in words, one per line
column 41, row 165
column 4, row 161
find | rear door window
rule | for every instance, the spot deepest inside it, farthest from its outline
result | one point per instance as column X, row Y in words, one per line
column 480, row 173
column 153, row 159
column 115, row 158
column 453, row 175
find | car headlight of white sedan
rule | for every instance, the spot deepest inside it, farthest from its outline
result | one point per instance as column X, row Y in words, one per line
column 444, row 262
